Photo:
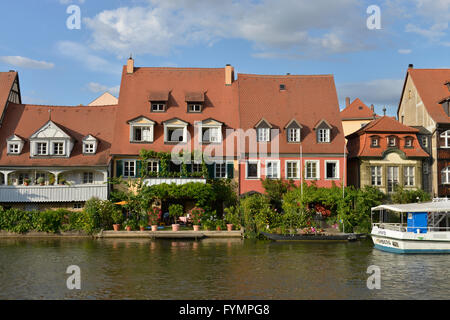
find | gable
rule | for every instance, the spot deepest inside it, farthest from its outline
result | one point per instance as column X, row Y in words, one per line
column 142, row 120
column 294, row 124
column 50, row 130
column 263, row 123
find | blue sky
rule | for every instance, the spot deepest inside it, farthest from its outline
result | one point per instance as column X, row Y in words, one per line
column 62, row 66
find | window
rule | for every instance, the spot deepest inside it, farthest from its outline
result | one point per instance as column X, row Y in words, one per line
column 89, row 148
column 375, row 173
column 58, row 148
column 22, row 178
column 294, row 135
column 13, row 148
column 408, row 142
column 272, row 169
column 324, row 135
column 445, row 176
column 142, row 134
column 292, row 169
column 129, row 169
column 392, row 178
column 331, row 169
column 312, row 169
column 392, row 141
column 282, row 87
column 263, row 134
column 194, row 107
column 446, row 136
column 374, row 143
column 211, row 135
column 409, row 176
column 426, row 168
column 197, row 167
column 425, row 141
column 152, row 166
column 158, row 107
column 220, row 170
column 175, row 135
column 252, row 170
column 77, row 205
column 42, row 148
column 88, row 177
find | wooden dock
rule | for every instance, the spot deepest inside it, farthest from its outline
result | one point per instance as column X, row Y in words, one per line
column 185, row 234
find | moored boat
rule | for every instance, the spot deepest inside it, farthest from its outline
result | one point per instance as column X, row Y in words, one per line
column 412, row 228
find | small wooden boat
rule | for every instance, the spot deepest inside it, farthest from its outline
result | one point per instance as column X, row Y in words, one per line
column 315, row 237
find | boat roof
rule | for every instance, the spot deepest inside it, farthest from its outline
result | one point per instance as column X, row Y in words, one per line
column 439, row 206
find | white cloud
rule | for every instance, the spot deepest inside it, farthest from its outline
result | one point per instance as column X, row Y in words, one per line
column 298, row 26
column 84, row 55
column 379, row 92
column 24, row 62
column 71, row 1
column 404, row 51
column 97, row 87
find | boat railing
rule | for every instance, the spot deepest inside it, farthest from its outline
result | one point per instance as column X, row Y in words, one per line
column 403, row 227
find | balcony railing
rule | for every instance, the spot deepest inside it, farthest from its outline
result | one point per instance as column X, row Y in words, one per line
column 178, row 181
column 53, row 193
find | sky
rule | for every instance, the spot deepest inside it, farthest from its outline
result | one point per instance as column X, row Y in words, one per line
column 66, row 58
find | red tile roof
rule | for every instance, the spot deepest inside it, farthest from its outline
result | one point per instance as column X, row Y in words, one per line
column 220, row 102
column 6, row 83
column 357, row 110
column 359, row 142
column 430, row 84
column 307, row 99
column 78, row 122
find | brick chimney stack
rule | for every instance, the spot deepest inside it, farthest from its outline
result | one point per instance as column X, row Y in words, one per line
column 130, row 65
column 372, row 107
column 229, row 75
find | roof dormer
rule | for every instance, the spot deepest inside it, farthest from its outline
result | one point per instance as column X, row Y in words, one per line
column 293, row 129
column 158, row 100
column 51, row 140
column 15, row 145
column 263, row 130
column 323, row 131
column 90, row 144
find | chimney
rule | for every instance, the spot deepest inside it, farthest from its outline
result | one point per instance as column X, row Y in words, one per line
column 384, row 111
column 347, row 102
column 372, row 107
column 229, row 75
column 411, row 66
column 130, row 65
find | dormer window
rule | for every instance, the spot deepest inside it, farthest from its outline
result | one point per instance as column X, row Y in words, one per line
column 282, row 87
column 392, row 141
column 90, row 144
column 194, row 107
column 158, row 101
column 58, row 148
column 445, row 136
column 158, row 107
column 374, row 142
column 42, row 149
column 175, row 130
column 141, row 130
column 51, row 140
column 323, row 129
column 263, row 130
column 293, row 131
column 210, row 131
column 195, row 101
column 14, row 145
column 408, row 142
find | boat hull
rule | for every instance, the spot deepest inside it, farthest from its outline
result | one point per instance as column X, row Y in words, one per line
column 408, row 242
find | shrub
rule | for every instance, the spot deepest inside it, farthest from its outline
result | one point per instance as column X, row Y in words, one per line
column 196, row 215
column 275, row 190
column 175, row 211
column 409, row 196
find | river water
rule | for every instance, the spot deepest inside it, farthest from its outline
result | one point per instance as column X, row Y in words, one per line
column 215, row 269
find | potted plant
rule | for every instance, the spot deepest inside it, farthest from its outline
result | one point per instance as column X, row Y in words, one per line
column 232, row 217
column 62, row 181
column 196, row 216
column 26, row 182
column 51, row 179
column 117, row 218
column 129, row 224
column 143, row 221
column 175, row 210
column 41, row 181
column 220, row 225
column 154, row 216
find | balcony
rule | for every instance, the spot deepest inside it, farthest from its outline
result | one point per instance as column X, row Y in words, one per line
column 53, row 193
column 178, row 181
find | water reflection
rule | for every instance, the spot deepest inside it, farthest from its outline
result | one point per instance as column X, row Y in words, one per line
column 214, row 269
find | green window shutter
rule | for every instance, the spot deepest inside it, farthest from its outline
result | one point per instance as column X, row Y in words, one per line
column 230, row 170
column 138, row 168
column 119, row 168
column 210, row 170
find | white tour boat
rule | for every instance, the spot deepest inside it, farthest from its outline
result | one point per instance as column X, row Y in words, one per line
column 426, row 228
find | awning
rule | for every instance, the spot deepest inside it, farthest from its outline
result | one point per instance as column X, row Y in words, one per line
column 195, row 96
column 159, row 95
column 439, row 206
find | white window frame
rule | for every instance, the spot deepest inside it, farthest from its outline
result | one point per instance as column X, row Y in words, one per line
column 263, row 134
column 317, row 162
column 54, row 149
column 200, row 166
column 89, row 147
column 446, row 172
column 89, row 179
column 376, row 144
column 218, row 135
column 13, row 148
column 134, row 168
column 446, row 136
column 168, row 127
column 159, row 104
column 153, row 161
column 409, row 175
column 409, row 142
column 392, row 138
column 225, row 170
column 286, row 169
column 337, row 169
column 278, row 171
column 257, row 162
column 324, row 135
column 294, row 135
column 190, row 105
column 377, row 174
column 425, row 141
column 150, row 128
column 37, row 148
